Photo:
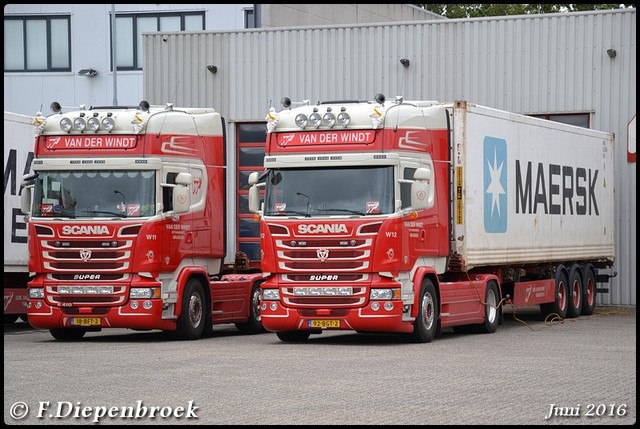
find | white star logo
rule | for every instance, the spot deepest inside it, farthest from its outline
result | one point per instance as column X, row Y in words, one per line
column 495, row 187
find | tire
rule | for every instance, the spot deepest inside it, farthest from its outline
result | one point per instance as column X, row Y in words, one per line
column 10, row 319
column 492, row 313
column 574, row 301
column 559, row 306
column 426, row 323
column 67, row 334
column 254, row 325
column 293, row 336
column 194, row 312
column 589, row 291
column 491, row 309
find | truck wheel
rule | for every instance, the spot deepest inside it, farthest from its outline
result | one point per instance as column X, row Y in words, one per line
column 559, row 306
column 574, row 300
column 67, row 334
column 491, row 309
column 192, row 317
column 10, row 319
column 293, row 336
column 254, row 325
column 589, row 294
column 426, row 323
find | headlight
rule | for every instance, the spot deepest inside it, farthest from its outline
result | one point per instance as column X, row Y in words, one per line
column 108, row 123
column 344, row 119
column 301, row 120
column 65, row 124
column 79, row 124
column 36, row 292
column 93, row 123
column 378, row 294
column 143, row 292
column 315, row 120
column 329, row 119
column 270, row 294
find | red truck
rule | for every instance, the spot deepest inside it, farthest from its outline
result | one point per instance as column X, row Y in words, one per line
column 126, row 224
column 414, row 216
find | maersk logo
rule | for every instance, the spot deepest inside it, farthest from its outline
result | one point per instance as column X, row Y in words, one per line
column 495, row 184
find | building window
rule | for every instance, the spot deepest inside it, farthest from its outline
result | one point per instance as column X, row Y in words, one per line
column 249, row 19
column 250, row 157
column 37, row 43
column 577, row 119
column 129, row 29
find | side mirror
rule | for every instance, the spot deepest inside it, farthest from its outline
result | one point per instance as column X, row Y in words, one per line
column 184, row 179
column 180, row 199
column 253, row 178
column 254, row 198
column 26, row 193
column 422, row 193
column 25, row 200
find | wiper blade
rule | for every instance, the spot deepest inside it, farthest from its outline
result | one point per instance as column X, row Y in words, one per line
column 341, row 210
column 287, row 212
column 104, row 212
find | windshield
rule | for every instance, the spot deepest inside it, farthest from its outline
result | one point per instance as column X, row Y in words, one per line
column 79, row 194
column 330, row 191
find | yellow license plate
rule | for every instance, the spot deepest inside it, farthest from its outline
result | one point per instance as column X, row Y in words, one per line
column 324, row 323
column 85, row 321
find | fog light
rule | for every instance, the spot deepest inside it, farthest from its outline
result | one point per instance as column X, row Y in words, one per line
column 375, row 306
column 134, row 305
column 39, row 304
column 263, row 307
column 273, row 306
column 28, row 304
column 388, row 306
column 147, row 305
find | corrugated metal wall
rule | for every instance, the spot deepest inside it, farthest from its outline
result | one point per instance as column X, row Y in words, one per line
column 555, row 63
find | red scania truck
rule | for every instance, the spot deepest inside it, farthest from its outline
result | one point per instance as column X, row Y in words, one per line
column 126, row 224
column 414, row 216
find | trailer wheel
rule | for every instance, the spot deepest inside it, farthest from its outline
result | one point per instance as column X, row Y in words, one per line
column 67, row 334
column 426, row 323
column 192, row 317
column 254, row 325
column 293, row 336
column 574, row 300
column 589, row 295
column 491, row 309
column 559, row 306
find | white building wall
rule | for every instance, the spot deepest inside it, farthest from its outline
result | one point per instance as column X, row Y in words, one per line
column 27, row 93
column 553, row 63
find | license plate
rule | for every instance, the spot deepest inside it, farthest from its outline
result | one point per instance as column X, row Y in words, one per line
column 324, row 323
column 85, row 321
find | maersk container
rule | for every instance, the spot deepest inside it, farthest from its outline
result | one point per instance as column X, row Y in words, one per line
column 529, row 190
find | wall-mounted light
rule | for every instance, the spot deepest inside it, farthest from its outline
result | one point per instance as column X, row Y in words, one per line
column 88, row 72
column 405, row 62
column 612, row 53
column 213, row 69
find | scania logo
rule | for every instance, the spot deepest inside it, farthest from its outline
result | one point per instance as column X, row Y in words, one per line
column 85, row 230
column 322, row 229
column 322, row 254
column 85, row 255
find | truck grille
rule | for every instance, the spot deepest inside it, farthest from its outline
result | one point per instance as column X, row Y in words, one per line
column 325, row 255
column 87, row 256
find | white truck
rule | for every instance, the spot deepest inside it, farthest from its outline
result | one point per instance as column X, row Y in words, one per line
column 18, row 154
